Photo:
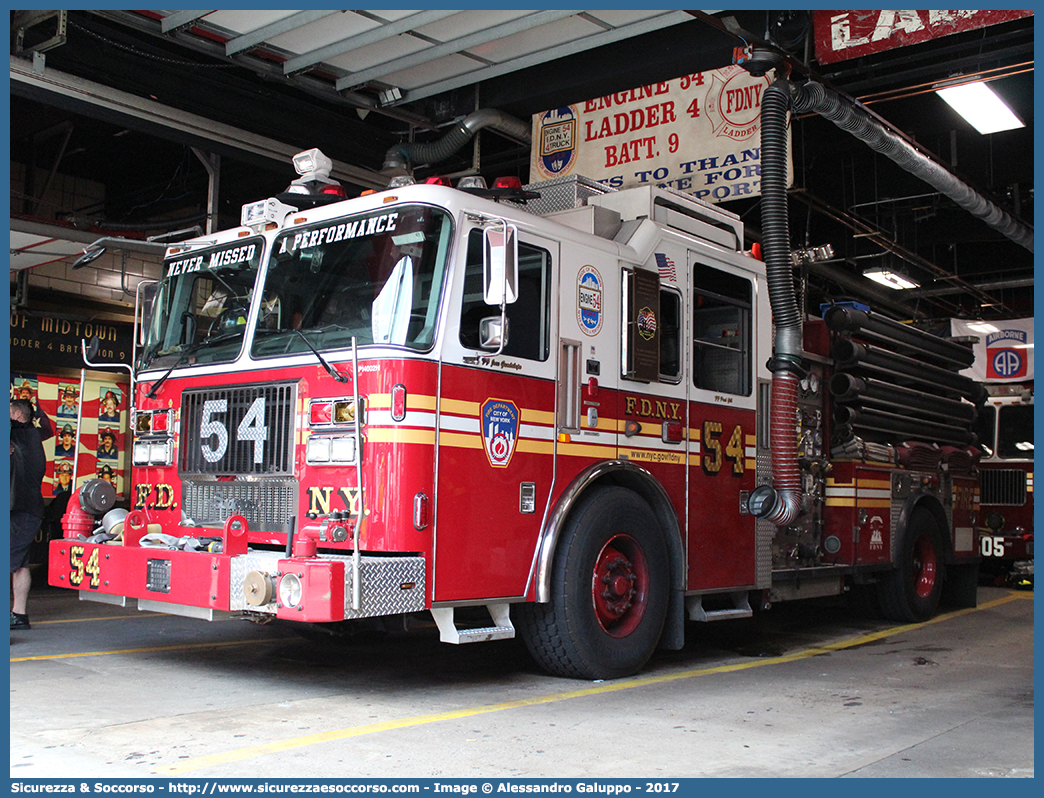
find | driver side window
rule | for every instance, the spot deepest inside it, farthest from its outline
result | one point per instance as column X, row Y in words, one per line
column 528, row 318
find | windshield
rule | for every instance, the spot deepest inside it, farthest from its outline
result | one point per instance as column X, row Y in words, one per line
column 375, row 276
column 201, row 307
column 1015, row 432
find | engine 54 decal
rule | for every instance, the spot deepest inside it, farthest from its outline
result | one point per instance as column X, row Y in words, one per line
column 499, row 431
column 589, row 300
column 554, row 137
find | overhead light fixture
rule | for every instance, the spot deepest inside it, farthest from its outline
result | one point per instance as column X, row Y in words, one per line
column 983, row 327
column 390, row 95
column 980, row 107
column 890, row 279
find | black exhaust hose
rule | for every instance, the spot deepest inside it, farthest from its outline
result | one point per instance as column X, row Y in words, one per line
column 407, row 154
column 779, row 503
column 815, row 97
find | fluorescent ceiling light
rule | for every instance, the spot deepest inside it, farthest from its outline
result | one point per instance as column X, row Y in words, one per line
column 983, row 327
column 890, row 279
column 981, row 108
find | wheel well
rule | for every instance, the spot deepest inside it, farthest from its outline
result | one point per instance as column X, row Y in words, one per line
column 938, row 514
column 620, row 473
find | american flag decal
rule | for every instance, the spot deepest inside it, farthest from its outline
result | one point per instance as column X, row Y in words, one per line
column 668, row 274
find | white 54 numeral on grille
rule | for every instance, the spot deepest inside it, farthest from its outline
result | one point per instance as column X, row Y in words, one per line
column 251, row 428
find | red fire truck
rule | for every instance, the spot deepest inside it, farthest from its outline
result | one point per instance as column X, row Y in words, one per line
column 1005, row 430
column 557, row 408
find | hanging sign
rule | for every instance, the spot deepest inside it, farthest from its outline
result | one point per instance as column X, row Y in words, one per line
column 700, row 134
column 840, row 35
column 1004, row 352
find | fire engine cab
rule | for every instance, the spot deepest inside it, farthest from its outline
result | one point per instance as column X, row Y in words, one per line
column 554, row 403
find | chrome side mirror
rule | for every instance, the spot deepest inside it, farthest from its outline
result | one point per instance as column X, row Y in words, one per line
column 500, row 264
column 491, row 334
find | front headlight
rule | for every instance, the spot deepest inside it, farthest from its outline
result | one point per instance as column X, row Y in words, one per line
column 141, row 453
column 290, row 590
column 318, row 450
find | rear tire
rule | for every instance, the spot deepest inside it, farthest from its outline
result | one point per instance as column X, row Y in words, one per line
column 609, row 591
column 911, row 591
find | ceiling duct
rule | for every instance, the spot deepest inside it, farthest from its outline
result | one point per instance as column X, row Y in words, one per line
column 815, row 97
column 400, row 159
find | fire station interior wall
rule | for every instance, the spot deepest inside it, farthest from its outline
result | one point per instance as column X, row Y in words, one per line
column 100, row 415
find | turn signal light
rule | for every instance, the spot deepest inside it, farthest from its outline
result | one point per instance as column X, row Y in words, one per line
column 398, row 402
column 673, row 432
column 320, row 413
column 344, row 412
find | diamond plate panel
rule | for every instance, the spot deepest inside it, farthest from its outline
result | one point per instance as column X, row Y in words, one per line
column 263, row 561
column 384, row 590
column 563, row 194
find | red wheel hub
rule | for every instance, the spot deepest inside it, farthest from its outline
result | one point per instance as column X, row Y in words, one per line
column 619, row 587
column 925, row 570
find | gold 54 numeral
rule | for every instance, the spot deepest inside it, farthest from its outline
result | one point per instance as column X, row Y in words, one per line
column 716, row 455
column 82, row 570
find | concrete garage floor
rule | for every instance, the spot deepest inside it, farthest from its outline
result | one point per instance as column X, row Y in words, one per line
column 805, row 690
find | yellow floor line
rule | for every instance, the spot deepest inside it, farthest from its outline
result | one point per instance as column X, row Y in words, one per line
column 251, row 752
column 102, row 618
column 177, row 647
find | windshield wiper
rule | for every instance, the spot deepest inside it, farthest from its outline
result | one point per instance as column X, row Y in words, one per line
column 188, row 350
column 329, row 369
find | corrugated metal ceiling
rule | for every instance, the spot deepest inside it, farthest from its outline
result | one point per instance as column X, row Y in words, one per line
column 399, row 57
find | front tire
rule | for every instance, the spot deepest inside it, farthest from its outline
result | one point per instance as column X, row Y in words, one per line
column 911, row 592
column 608, row 594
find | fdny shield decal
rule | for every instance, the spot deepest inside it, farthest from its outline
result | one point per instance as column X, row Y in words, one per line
column 499, row 431
column 589, row 300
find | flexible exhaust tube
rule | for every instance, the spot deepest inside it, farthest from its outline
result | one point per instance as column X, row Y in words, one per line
column 400, row 159
column 816, row 97
column 779, row 503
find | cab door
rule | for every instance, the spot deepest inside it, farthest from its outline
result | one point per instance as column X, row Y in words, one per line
column 723, row 357
column 495, row 436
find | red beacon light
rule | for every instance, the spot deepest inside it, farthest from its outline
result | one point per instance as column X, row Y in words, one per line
column 508, row 182
column 438, row 180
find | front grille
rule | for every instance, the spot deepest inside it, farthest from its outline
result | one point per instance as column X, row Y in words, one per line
column 242, row 430
column 266, row 504
column 1006, row 486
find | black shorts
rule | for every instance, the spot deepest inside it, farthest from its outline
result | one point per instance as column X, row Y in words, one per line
column 24, row 527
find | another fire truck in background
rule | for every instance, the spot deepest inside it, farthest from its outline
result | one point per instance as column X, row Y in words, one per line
column 1005, row 431
column 560, row 404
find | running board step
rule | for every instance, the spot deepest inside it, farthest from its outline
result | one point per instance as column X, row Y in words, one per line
column 740, row 609
column 502, row 629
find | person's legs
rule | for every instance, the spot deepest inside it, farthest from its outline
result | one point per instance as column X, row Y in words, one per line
column 20, row 582
column 23, row 530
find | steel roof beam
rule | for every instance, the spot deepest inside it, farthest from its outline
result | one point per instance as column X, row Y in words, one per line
column 180, row 19
column 560, row 51
column 126, row 106
column 452, row 46
column 262, row 34
column 378, row 34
